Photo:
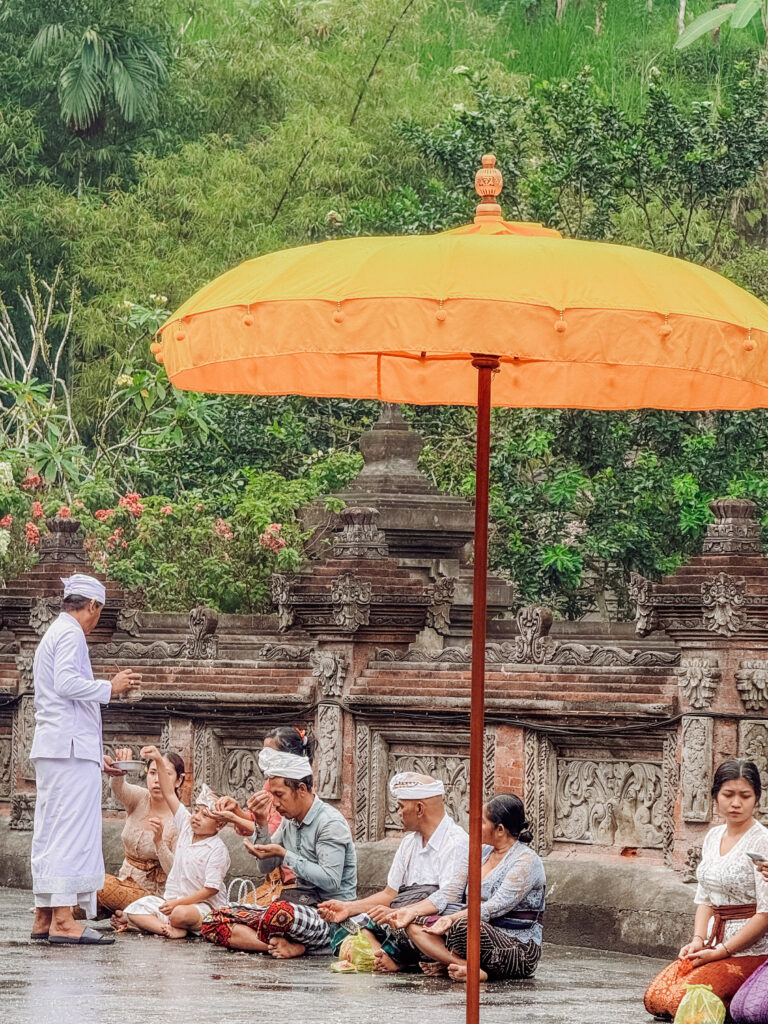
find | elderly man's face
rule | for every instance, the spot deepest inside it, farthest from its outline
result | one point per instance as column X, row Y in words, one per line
column 90, row 616
column 409, row 814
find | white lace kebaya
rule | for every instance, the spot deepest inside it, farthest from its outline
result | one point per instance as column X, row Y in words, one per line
column 732, row 879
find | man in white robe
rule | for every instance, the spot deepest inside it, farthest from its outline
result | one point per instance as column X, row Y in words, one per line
column 67, row 752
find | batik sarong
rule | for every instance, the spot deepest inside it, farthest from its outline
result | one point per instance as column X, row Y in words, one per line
column 502, row 954
column 280, row 919
column 664, row 994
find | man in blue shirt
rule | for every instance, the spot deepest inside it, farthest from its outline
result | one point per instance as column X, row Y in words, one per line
column 314, row 841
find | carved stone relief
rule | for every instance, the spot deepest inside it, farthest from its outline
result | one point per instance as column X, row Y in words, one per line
column 609, row 803
column 557, row 653
column 360, row 536
column 6, row 767
column 330, row 668
column 157, row 650
column 753, row 744
column 670, row 786
column 641, row 594
column 22, row 812
column 202, row 642
column 23, row 731
column 540, row 769
column 282, row 588
column 698, row 679
column 243, row 776
column 692, row 861
column 43, row 612
column 330, row 752
column 752, row 682
column 533, row 646
column 282, row 652
column 208, row 758
column 351, row 600
column 439, row 611
column 24, row 664
column 696, row 769
column 722, row 600
column 129, row 616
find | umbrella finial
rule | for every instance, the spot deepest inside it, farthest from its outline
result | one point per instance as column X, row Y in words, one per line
column 488, row 184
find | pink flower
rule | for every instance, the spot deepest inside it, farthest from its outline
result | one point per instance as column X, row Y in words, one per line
column 64, row 512
column 132, row 501
column 79, row 504
column 33, row 533
column 275, row 527
column 125, row 544
column 31, row 481
column 270, row 540
column 103, row 514
column 167, row 510
column 223, row 529
column 37, row 510
column 198, row 507
column 6, row 522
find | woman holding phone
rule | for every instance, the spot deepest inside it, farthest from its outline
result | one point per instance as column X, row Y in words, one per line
column 729, row 940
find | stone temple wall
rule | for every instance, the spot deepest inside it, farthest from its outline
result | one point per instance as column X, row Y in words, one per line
column 609, row 731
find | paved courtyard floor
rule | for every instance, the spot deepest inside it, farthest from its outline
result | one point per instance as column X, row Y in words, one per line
column 146, row 980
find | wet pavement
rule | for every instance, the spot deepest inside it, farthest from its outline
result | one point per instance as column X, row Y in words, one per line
column 147, row 980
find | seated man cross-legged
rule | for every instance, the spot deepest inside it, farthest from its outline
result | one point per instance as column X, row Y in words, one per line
column 314, row 841
column 428, row 858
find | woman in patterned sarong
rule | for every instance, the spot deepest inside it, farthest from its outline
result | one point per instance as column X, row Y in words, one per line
column 729, row 938
column 511, row 911
column 149, row 838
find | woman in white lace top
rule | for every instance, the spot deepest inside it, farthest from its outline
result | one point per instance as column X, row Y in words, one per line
column 511, row 909
column 730, row 930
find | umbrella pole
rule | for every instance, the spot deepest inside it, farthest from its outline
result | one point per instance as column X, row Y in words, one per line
column 485, row 366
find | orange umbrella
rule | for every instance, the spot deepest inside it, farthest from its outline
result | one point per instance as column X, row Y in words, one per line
column 430, row 319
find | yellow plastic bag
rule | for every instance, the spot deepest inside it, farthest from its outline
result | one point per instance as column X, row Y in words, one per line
column 700, row 1005
column 355, row 955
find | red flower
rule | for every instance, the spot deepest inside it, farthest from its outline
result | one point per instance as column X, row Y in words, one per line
column 103, row 514
column 31, row 481
column 33, row 533
column 64, row 512
column 6, row 522
column 223, row 529
column 167, row 510
column 132, row 501
column 37, row 510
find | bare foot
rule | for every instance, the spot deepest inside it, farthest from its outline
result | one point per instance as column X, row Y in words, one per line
column 173, row 933
column 433, row 968
column 384, row 963
column 283, row 949
column 118, row 921
column 42, row 920
column 458, row 972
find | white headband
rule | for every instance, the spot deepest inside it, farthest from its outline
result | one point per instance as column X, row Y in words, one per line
column 410, row 786
column 281, row 765
column 206, row 797
column 84, row 586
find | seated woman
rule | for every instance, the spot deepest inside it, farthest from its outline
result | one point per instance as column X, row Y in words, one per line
column 729, row 938
column 512, row 908
column 149, row 837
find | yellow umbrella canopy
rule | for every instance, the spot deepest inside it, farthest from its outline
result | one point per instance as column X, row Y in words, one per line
column 575, row 324
column 430, row 319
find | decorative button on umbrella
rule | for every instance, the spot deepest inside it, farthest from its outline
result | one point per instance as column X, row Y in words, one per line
column 558, row 323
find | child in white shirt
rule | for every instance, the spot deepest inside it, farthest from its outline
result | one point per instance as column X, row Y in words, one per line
column 195, row 884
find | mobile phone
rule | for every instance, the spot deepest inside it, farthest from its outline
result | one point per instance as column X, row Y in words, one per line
column 758, row 858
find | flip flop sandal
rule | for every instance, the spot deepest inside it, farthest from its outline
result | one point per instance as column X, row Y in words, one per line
column 90, row 937
column 38, row 935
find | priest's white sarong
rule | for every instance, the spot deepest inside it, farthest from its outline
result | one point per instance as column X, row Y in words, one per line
column 67, row 859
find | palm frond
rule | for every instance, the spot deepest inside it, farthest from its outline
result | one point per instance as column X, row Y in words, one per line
column 81, row 92
column 47, row 39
